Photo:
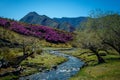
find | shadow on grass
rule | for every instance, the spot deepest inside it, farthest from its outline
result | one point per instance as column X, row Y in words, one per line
column 114, row 59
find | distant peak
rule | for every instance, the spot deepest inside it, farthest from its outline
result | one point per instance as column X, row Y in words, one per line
column 33, row 13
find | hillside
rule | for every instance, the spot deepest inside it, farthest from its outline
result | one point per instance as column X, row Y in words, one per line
column 42, row 32
column 18, row 41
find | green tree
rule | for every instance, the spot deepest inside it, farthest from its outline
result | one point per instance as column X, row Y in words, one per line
column 89, row 39
column 107, row 24
column 112, row 31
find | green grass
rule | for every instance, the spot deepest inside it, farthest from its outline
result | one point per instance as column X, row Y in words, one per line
column 45, row 60
column 106, row 71
column 32, row 65
column 10, row 77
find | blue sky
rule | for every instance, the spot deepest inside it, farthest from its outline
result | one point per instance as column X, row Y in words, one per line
column 55, row 8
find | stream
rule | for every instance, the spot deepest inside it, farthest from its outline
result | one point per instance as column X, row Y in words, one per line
column 63, row 72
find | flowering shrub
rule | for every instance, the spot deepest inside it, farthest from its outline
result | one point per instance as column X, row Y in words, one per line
column 47, row 33
column 2, row 22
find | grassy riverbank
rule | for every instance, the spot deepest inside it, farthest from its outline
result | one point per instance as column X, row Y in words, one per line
column 93, row 71
column 106, row 71
column 36, row 63
column 41, row 62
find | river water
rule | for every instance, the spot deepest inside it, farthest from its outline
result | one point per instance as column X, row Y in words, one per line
column 63, row 72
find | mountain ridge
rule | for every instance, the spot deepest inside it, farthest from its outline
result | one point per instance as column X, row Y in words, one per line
column 74, row 21
column 35, row 18
column 64, row 23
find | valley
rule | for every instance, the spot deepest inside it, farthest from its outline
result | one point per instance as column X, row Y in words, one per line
column 45, row 51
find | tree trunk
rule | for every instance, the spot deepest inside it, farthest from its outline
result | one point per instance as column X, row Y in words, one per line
column 21, row 58
column 100, row 59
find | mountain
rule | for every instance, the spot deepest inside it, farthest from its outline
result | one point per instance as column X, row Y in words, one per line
column 67, row 24
column 34, row 18
column 72, row 21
